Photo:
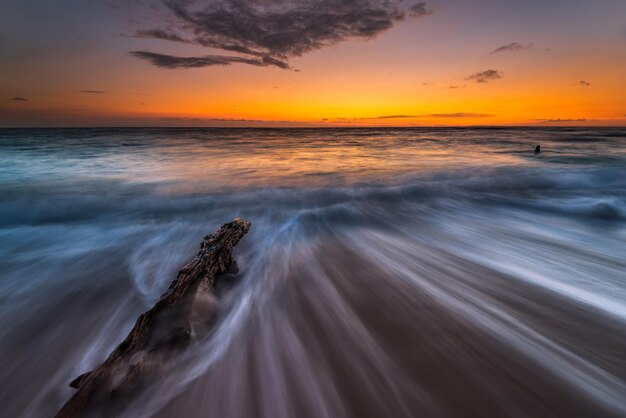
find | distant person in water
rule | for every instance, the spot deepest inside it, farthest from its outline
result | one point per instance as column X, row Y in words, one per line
column 538, row 149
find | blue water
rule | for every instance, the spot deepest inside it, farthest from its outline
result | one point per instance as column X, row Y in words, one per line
column 388, row 272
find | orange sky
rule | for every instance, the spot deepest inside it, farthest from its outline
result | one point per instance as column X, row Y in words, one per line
column 569, row 70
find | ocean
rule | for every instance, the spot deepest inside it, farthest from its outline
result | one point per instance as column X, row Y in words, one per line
column 426, row 272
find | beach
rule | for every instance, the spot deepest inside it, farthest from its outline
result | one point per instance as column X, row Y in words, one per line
column 388, row 272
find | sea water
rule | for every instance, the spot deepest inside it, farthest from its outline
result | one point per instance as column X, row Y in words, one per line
column 388, row 272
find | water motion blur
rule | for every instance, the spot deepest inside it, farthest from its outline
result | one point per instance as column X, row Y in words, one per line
column 388, row 272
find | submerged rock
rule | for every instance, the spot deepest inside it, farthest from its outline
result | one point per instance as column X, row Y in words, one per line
column 538, row 149
column 160, row 333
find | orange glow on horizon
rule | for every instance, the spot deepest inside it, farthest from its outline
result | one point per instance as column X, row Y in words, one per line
column 390, row 80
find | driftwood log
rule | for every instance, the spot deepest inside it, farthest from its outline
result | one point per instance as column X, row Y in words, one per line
column 182, row 314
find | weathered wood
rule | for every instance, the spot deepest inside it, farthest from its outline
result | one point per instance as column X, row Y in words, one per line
column 173, row 322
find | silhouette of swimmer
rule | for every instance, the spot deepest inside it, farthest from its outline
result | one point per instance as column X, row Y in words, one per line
column 537, row 149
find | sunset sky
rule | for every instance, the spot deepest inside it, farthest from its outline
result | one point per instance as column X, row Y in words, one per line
column 312, row 62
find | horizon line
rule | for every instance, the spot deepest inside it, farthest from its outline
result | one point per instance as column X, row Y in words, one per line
column 319, row 127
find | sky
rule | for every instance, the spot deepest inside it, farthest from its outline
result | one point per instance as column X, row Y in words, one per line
column 328, row 63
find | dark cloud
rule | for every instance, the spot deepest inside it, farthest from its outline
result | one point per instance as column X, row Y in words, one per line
column 485, row 76
column 512, row 47
column 173, row 62
column 584, row 83
column 19, row 99
column 271, row 32
column 93, row 91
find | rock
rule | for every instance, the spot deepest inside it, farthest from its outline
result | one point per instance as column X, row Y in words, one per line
column 159, row 334
column 79, row 380
column 537, row 149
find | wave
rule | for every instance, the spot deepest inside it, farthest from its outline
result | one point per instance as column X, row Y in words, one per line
column 480, row 288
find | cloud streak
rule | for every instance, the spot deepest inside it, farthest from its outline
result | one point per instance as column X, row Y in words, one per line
column 212, row 120
column 457, row 115
column 393, row 117
column 174, row 62
column 485, row 76
column 271, row 33
column 562, row 120
column 19, row 99
column 162, row 34
column 512, row 47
